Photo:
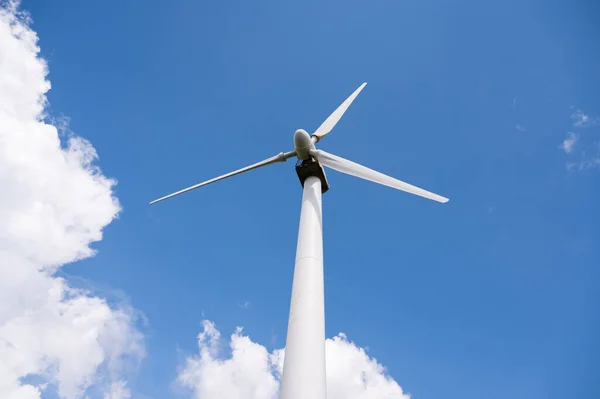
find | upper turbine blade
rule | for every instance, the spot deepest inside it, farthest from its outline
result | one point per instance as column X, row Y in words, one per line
column 334, row 118
column 281, row 157
column 351, row 168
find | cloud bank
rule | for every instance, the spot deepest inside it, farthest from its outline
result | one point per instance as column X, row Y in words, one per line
column 251, row 372
column 54, row 204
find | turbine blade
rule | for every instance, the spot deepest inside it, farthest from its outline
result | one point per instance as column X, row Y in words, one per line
column 334, row 118
column 281, row 157
column 351, row 168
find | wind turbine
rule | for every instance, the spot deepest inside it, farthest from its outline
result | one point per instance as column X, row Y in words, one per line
column 304, row 362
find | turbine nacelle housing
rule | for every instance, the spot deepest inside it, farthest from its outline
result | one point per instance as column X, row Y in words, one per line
column 311, row 167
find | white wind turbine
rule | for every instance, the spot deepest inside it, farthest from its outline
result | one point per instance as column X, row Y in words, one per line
column 304, row 363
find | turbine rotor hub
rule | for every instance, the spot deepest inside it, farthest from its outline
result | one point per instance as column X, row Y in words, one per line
column 302, row 144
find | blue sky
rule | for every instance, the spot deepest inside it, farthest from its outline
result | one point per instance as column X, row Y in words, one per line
column 494, row 294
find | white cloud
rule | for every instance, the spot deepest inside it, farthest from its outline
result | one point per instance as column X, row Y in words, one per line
column 118, row 391
column 569, row 142
column 587, row 161
column 520, row 127
column 585, row 164
column 54, row 204
column 588, row 150
column 582, row 120
column 251, row 372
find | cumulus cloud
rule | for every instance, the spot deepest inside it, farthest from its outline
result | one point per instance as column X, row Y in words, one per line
column 569, row 142
column 55, row 202
column 250, row 371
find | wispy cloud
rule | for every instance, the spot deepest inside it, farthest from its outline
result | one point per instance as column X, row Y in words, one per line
column 520, row 128
column 587, row 161
column 583, row 120
column 569, row 143
column 243, row 305
column 585, row 164
column 588, row 150
column 118, row 390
